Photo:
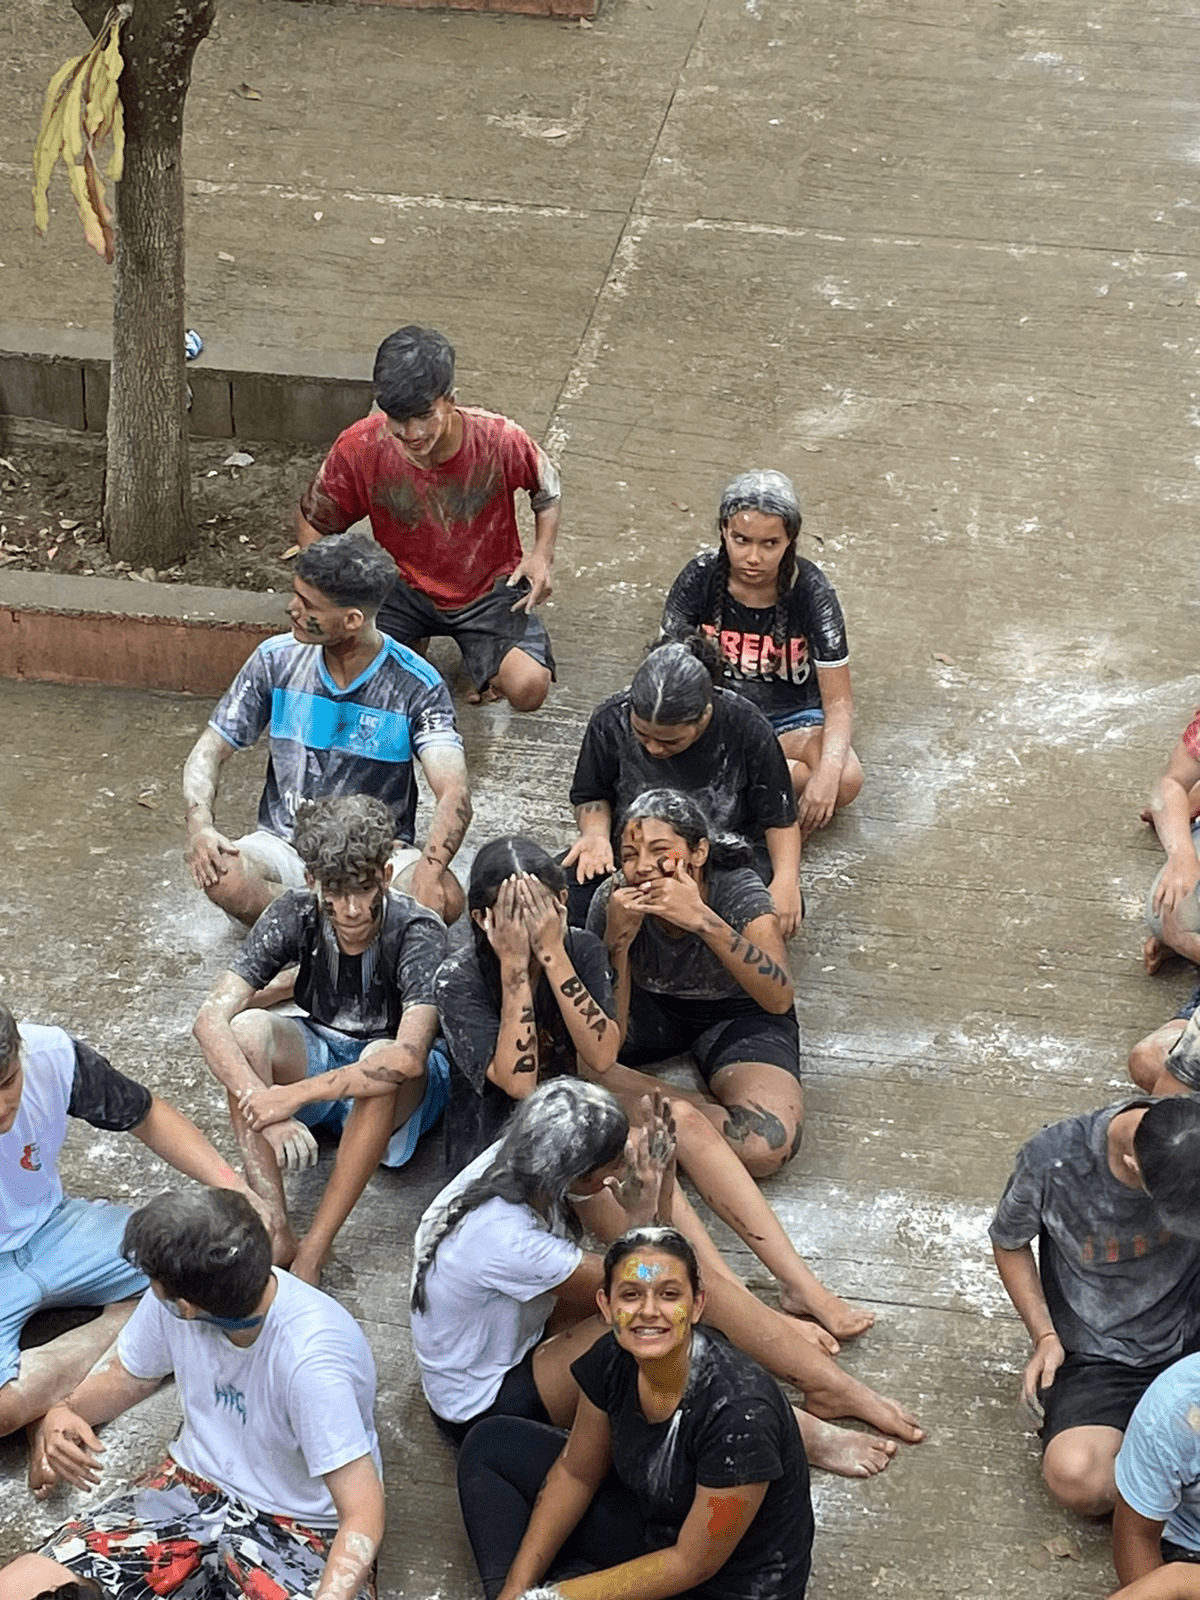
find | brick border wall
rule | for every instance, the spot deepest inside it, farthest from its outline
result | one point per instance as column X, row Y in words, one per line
column 64, row 380
column 55, row 628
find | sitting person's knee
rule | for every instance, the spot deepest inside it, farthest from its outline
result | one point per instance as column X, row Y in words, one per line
column 763, row 1139
column 529, row 692
column 1080, row 1476
column 1146, row 1061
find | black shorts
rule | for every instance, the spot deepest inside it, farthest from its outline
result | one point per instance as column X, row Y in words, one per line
column 716, row 1033
column 485, row 631
column 518, row 1397
column 1091, row 1392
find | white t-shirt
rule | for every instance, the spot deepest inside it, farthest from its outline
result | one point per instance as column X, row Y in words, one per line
column 266, row 1421
column 489, row 1292
column 30, row 1187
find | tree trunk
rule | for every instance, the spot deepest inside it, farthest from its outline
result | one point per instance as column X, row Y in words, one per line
column 147, row 486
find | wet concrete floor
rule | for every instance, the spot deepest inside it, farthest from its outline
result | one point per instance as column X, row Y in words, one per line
column 935, row 262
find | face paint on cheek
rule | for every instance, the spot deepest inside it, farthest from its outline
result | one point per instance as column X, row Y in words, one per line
column 311, row 625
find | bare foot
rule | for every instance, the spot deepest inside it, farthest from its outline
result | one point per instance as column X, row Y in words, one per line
column 308, row 1264
column 1154, row 954
column 1146, row 815
column 844, row 1396
column 483, row 697
column 845, row 1451
column 842, row 1320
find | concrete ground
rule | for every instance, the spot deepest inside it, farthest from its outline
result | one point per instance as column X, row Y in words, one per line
column 936, row 261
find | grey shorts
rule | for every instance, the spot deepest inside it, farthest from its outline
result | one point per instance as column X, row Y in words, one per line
column 485, row 631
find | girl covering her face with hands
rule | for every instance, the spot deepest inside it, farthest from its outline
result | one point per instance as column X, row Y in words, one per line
column 529, row 999
column 701, row 968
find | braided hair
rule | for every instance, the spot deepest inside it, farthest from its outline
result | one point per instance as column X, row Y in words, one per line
column 562, row 1131
column 772, row 494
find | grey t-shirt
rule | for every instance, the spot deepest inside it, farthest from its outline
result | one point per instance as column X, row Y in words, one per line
column 1118, row 1282
column 684, row 967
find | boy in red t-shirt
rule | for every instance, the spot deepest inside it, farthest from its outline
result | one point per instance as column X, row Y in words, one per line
column 437, row 481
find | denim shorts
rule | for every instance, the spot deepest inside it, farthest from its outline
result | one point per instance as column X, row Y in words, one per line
column 328, row 1049
column 74, row 1259
column 796, row 721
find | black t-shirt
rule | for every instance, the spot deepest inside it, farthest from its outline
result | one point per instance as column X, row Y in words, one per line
column 363, row 996
column 103, row 1096
column 735, row 769
column 733, row 1426
column 815, row 633
column 468, row 1002
column 1118, row 1283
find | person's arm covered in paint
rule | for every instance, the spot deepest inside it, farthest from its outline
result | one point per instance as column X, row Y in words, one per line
column 1170, row 802
column 71, row 1449
column 385, row 1070
column 336, row 497
column 513, row 1064
column 615, row 915
column 272, row 946
column 201, row 778
column 445, row 769
column 593, row 1031
column 362, row 1515
column 534, row 567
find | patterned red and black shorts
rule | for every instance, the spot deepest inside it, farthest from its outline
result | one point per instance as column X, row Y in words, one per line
column 174, row 1533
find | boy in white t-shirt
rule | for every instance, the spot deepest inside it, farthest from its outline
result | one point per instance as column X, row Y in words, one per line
column 273, row 1484
column 62, row 1250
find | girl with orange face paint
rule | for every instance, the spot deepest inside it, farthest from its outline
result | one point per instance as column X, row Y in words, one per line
column 708, row 1492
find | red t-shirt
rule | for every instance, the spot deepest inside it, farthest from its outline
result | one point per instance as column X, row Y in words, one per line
column 451, row 528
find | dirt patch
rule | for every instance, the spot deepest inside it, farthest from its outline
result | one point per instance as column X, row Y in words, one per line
column 50, row 496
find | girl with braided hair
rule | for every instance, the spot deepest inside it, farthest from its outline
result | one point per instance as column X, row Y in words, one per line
column 781, row 634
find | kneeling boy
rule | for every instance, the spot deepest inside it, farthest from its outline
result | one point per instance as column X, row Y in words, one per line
column 272, row 1486
column 1113, row 1197
column 359, row 1064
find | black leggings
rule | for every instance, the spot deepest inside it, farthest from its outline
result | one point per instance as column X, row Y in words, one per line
column 501, row 1468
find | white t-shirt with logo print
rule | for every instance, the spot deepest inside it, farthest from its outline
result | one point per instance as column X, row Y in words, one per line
column 265, row 1421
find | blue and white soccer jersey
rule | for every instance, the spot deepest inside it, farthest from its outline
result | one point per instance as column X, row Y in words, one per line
column 326, row 740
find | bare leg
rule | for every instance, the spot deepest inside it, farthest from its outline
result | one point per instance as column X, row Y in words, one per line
column 274, row 1047
column 454, row 901
column 845, row 1451
column 552, row 1360
column 784, row 1345
column 1148, row 1058
column 802, row 748
column 519, row 679
column 31, row 1575
column 1079, row 1469
column 725, row 1185
column 49, row 1371
column 1176, row 940
column 243, row 889
column 364, row 1139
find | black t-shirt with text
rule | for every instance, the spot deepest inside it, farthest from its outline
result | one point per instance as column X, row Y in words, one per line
column 815, row 634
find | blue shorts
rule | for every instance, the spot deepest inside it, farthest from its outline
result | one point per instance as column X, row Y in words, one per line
column 74, row 1259
column 328, row 1049
column 796, row 721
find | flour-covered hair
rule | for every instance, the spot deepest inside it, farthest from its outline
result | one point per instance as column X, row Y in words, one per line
column 565, row 1129
column 669, row 1240
column 689, row 820
column 344, row 840
column 208, row 1246
column 770, row 493
column 414, row 367
column 674, row 684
